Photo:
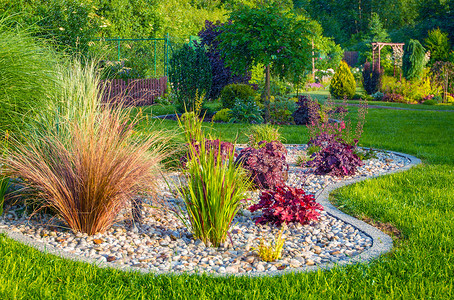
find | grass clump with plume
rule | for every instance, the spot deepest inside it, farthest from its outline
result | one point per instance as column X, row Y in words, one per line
column 84, row 161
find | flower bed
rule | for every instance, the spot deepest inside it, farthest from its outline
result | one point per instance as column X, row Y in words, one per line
column 163, row 244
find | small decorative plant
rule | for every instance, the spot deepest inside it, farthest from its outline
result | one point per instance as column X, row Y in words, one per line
column 263, row 132
column 302, row 159
column 273, row 250
column 266, row 165
column 246, row 111
column 335, row 158
column 285, row 205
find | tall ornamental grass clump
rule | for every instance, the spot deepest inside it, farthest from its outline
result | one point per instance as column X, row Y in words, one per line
column 212, row 191
column 85, row 162
column 27, row 77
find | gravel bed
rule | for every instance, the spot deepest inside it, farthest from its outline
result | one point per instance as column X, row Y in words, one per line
column 161, row 243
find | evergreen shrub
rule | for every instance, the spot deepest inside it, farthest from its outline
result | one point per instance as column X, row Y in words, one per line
column 413, row 60
column 190, row 75
column 222, row 116
column 343, row 83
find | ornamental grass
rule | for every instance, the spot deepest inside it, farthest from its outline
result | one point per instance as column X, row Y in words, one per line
column 84, row 161
column 27, row 76
column 213, row 188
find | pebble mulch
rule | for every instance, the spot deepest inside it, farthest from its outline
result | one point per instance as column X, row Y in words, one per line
column 161, row 243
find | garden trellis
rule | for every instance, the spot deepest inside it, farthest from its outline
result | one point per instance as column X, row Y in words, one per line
column 398, row 51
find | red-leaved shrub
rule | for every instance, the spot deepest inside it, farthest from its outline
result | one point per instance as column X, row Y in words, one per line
column 286, row 205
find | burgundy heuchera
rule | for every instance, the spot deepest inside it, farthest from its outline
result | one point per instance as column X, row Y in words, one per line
column 286, row 205
column 266, row 165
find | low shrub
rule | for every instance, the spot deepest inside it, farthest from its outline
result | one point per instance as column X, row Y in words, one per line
column 378, row 96
column 246, row 111
column 263, row 132
column 281, row 110
column 266, row 165
column 222, row 116
column 343, row 83
column 286, row 204
column 232, row 93
column 430, row 102
column 392, row 97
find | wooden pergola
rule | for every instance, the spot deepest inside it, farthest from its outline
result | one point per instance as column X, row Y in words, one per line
column 398, row 51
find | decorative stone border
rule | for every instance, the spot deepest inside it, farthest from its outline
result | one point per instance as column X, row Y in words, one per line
column 382, row 243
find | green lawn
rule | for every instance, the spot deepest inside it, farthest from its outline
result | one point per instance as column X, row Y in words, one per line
column 322, row 95
column 419, row 203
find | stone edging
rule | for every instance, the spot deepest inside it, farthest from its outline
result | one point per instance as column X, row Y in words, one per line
column 382, row 243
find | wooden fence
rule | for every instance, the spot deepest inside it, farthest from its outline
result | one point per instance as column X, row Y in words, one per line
column 137, row 92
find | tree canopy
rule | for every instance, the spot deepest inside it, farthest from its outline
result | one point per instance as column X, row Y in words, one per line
column 266, row 35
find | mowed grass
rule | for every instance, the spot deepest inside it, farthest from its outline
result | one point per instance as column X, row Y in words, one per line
column 419, row 203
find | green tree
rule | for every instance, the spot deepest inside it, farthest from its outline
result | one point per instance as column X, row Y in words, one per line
column 70, row 23
column 128, row 18
column 437, row 42
column 280, row 40
column 377, row 33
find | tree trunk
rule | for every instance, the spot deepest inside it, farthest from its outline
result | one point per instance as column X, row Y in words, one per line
column 267, row 93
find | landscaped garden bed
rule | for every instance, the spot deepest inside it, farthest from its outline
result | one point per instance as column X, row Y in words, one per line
column 162, row 243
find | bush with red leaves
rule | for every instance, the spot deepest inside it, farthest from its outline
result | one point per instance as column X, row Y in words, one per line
column 286, row 205
column 266, row 165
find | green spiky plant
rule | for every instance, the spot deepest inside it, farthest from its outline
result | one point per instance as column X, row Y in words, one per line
column 213, row 188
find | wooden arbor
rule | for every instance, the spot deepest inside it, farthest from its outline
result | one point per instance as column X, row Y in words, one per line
column 398, row 52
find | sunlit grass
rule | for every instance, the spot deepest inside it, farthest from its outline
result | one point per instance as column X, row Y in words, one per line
column 418, row 202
